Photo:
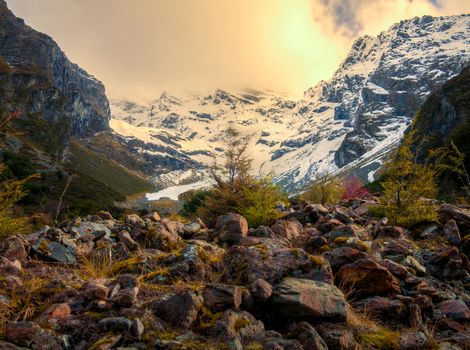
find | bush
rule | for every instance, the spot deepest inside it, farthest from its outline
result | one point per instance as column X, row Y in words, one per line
column 235, row 189
column 326, row 190
column 406, row 187
column 259, row 207
column 193, row 201
column 354, row 188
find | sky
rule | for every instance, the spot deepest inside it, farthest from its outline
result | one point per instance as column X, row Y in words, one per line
column 139, row 48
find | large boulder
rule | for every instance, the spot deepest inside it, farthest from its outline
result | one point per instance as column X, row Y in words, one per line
column 179, row 310
column 230, row 228
column 461, row 216
column 300, row 299
column 268, row 261
column 13, row 248
column 455, row 309
column 367, row 277
column 451, row 231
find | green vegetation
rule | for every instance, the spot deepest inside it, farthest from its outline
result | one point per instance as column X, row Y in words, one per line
column 261, row 199
column 326, row 190
column 86, row 162
column 405, row 188
column 236, row 190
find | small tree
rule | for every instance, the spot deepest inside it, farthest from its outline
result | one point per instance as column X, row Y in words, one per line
column 11, row 191
column 325, row 190
column 236, row 189
column 449, row 160
column 406, row 187
column 261, row 200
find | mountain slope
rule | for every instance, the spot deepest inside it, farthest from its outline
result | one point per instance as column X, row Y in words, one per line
column 38, row 79
column 61, row 110
column 348, row 122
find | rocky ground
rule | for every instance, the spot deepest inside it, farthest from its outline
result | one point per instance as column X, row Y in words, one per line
column 320, row 278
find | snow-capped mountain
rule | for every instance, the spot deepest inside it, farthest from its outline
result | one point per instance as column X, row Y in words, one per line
column 349, row 121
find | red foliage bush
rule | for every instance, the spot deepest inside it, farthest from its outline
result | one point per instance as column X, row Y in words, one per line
column 354, row 188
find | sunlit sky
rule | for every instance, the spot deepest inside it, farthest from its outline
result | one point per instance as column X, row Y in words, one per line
column 139, row 48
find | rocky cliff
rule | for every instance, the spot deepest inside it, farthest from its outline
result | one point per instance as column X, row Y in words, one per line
column 38, row 78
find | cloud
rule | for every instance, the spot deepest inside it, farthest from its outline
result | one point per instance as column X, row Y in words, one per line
column 350, row 18
column 141, row 47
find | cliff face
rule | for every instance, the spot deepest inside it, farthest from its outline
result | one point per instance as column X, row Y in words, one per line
column 444, row 116
column 37, row 78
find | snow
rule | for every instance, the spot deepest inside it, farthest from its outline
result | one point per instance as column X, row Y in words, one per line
column 377, row 89
column 309, row 134
column 173, row 192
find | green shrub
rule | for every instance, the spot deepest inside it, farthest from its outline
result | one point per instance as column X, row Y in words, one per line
column 326, row 190
column 193, row 201
column 259, row 207
column 236, row 190
column 406, row 187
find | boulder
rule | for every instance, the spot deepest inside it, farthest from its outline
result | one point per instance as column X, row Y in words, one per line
column 308, row 336
column 455, row 309
column 300, row 299
column 367, row 277
column 451, row 231
column 337, row 336
column 220, row 297
column 179, row 310
column 126, row 238
column 231, row 228
column 13, row 248
column 461, row 216
column 64, row 252
column 95, row 291
column 135, row 220
column 115, row 324
column 314, row 212
column 21, row 333
column 262, row 231
column 383, row 308
column 261, row 290
column 342, row 256
column 55, row 312
column 288, row 229
column 245, row 264
column 391, row 232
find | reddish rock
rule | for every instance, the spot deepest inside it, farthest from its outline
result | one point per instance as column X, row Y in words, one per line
column 342, row 256
column 383, row 308
column 21, row 333
column 391, row 232
column 231, row 228
column 54, row 312
column 288, row 229
column 455, row 309
column 300, row 299
column 261, row 290
column 180, row 310
column 13, row 248
column 367, row 277
column 95, row 291
column 309, row 337
column 153, row 216
column 126, row 238
column 396, row 269
column 220, row 297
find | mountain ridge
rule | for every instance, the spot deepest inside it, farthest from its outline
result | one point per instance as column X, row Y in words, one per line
column 358, row 114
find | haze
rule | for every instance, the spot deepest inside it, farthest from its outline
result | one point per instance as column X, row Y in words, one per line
column 139, row 48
